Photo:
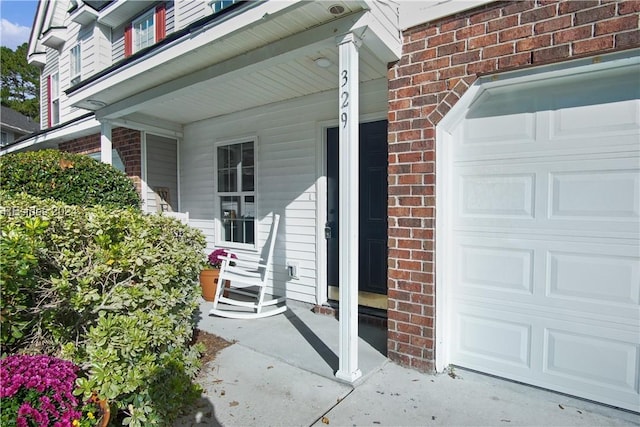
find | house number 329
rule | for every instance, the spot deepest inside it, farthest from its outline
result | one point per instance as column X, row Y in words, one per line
column 344, row 97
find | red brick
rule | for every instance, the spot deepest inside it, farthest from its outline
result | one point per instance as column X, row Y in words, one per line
column 552, row 25
column 423, row 33
column 410, row 350
column 422, row 168
column 483, row 67
column 470, row 31
column 532, row 43
column 499, row 50
column 408, row 307
column 628, row 39
column 410, row 157
column 420, row 101
column 422, row 320
column 422, row 234
column 538, row 14
column 399, row 83
column 452, row 48
column 514, row 61
column 551, row 54
column 398, row 295
column 398, row 357
column 408, row 114
column 414, row 46
column 515, row 33
column 398, row 316
column 518, row 6
column 422, row 299
column 595, row 14
column 483, row 41
column 408, row 135
column 616, row 25
column 409, row 201
column 408, row 92
column 423, row 277
column 484, row 16
column 628, row 6
column 453, row 25
column 399, row 337
column 502, row 23
column 593, row 45
column 575, row 5
column 572, row 34
column 424, row 55
column 426, row 366
column 465, row 58
column 450, row 72
column 425, row 77
column 409, row 70
column 436, row 64
column 440, row 39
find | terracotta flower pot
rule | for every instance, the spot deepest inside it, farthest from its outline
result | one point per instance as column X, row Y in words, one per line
column 209, row 283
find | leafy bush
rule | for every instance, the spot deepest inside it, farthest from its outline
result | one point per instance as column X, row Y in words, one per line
column 114, row 290
column 70, row 178
column 38, row 390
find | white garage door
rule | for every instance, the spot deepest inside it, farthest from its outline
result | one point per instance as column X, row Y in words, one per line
column 544, row 256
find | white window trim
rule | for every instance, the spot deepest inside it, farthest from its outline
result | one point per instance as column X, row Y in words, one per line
column 78, row 74
column 149, row 14
column 219, row 242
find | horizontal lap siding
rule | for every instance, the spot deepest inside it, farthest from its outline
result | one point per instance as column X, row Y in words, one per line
column 187, row 12
column 161, row 170
column 286, row 178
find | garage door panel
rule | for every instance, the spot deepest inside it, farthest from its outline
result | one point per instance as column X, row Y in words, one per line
column 609, row 194
column 608, row 120
column 562, row 195
column 549, row 276
column 494, row 339
column 497, row 196
column 503, row 269
column 579, row 276
column 595, row 361
column 542, row 234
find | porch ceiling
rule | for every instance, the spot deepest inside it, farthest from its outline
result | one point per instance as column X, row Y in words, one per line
column 269, row 61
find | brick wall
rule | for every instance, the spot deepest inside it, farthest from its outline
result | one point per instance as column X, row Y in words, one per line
column 440, row 61
column 126, row 141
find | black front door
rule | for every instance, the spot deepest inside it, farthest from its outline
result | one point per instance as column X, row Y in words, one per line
column 372, row 269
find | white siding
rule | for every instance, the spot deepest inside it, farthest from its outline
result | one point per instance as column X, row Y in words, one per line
column 162, row 170
column 170, row 17
column 117, row 42
column 288, row 171
column 187, row 12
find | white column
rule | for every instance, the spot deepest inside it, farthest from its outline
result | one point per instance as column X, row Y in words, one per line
column 106, row 153
column 348, row 204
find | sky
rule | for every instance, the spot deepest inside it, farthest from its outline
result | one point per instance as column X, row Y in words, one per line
column 16, row 19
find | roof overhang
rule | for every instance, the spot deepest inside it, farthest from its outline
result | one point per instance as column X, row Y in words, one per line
column 256, row 43
column 121, row 11
column 48, row 29
column 83, row 14
column 83, row 126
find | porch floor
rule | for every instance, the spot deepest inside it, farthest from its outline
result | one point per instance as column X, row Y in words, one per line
column 299, row 338
column 280, row 372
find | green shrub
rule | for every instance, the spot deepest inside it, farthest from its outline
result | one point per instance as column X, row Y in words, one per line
column 70, row 178
column 114, row 290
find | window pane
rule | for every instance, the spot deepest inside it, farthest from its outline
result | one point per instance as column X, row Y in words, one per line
column 247, row 154
column 247, row 179
column 227, row 180
column 230, row 214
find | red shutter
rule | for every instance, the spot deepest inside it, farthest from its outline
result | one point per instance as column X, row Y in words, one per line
column 128, row 41
column 161, row 22
column 49, row 103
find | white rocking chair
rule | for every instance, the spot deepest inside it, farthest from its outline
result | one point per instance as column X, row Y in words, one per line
column 246, row 280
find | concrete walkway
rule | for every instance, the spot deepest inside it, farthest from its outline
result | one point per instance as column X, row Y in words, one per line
column 280, row 372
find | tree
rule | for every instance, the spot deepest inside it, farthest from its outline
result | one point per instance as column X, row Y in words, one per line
column 20, row 82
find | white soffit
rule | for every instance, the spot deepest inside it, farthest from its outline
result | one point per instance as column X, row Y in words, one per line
column 414, row 13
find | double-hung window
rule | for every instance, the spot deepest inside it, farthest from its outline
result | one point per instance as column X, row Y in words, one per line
column 75, row 64
column 144, row 32
column 237, row 192
column 54, row 104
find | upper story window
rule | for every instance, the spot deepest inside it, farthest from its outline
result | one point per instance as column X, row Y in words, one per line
column 75, row 64
column 54, row 99
column 236, row 193
column 146, row 30
column 217, row 5
column 144, row 33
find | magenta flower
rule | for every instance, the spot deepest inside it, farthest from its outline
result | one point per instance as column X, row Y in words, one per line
column 38, row 390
